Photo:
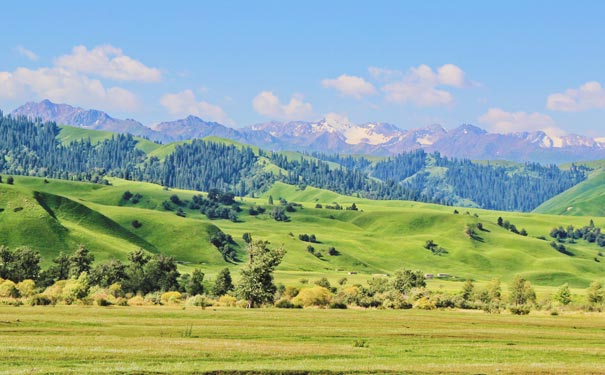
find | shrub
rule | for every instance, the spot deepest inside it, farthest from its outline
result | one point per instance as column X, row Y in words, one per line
column 26, row 288
column 286, row 304
column 8, row 289
column 39, row 300
column 338, row 305
column 350, row 295
column 198, row 300
column 424, row 303
column 154, row 298
column 519, row 310
column 360, row 343
column 75, row 289
column 171, row 298
column 102, row 301
column 315, row 296
column 115, row 290
column 227, row 300
column 136, row 301
column 291, row 292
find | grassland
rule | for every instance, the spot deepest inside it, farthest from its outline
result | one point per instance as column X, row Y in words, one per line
column 585, row 199
column 379, row 239
column 173, row 340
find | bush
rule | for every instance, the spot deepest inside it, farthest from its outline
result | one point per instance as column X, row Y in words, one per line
column 154, row 298
column 40, row 300
column 519, row 310
column 136, row 301
column 102, row 301
column 286, row 304
column 171, row 298
column 198, row 300
column 424, row 303
column 338, row 305
column 8, row 289
column 26, row 288
column 227, row 300
column 315, row 296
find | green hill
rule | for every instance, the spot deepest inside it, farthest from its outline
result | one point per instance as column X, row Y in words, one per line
column 70, row 133
column 380, row 238
column 585, row 199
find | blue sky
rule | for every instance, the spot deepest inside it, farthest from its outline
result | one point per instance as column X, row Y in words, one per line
column 505, row 67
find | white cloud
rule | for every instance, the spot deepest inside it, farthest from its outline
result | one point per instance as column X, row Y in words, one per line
column 385, row 75
column 184, row 104
column 590, row 95
column 451, row 75
column 504, row 122
column 420, row 85
column 27, row 53
column 108, row 62
column 267, row 104
column 356, row 87
column 62, row 85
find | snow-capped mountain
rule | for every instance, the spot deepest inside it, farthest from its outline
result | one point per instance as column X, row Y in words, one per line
column 336, row 134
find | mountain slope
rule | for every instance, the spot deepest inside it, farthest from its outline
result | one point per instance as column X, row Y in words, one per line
column 585, row 199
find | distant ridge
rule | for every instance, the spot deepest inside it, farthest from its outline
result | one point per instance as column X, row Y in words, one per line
column 332, row 135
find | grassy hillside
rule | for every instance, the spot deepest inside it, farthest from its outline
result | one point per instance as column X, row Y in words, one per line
column 584, row 199
column 380, row 238
column 70, row 133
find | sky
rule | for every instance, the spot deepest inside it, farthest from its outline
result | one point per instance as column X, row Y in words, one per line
column 506, row 67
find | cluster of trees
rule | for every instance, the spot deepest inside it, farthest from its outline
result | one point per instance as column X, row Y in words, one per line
column 218, row 205
column 589, row 233
column 331, row 251
column 132, row 198
column 141, row 275
column 434, row 248
column 511, row 227
column 225, row 245
column 307, row 238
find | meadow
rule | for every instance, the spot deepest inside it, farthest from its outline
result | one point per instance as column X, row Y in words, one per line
column 177, row 340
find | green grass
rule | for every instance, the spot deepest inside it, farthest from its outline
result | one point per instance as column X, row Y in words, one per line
column 70, row 133
column 585, row 199
column 379, row 239
column 173, row 340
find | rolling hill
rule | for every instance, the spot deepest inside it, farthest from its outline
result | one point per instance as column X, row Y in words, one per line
column 380, row 238
column 585, row 199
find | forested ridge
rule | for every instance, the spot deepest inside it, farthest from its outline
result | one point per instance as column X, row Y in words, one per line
column 32, row 148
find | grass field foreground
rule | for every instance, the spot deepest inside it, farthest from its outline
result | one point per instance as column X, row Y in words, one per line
column 176, row 340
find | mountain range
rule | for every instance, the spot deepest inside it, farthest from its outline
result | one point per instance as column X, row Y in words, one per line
column 335, row 135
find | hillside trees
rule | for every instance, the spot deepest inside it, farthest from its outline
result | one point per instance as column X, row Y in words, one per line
column 32, row 148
